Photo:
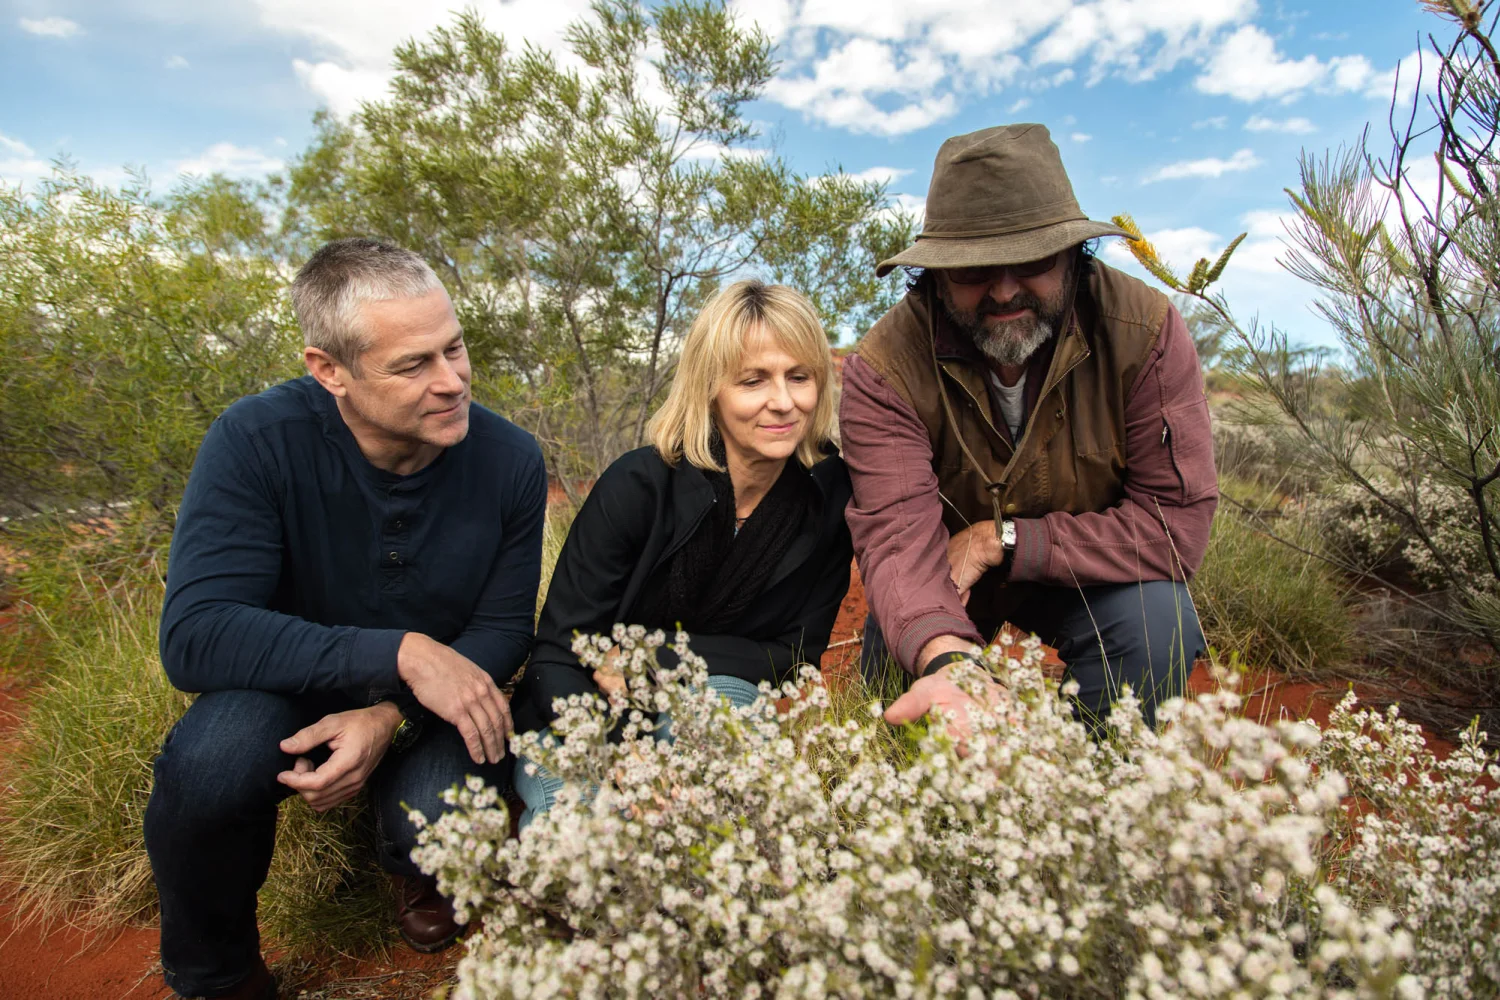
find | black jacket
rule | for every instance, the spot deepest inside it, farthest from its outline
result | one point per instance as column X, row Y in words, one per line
column 639, row 513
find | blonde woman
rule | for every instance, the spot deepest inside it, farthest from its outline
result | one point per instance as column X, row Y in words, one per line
column 731, row 522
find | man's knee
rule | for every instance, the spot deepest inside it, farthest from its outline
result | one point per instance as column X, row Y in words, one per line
column 1144, row 636
column 1155, row 623
column 222, row 757
column 415, row 779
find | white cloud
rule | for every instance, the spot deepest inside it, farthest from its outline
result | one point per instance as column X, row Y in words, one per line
column 1211, row 166
column 19, row 164
column 50, row 27
column 177, row 62
column 1080, row 137
column 881, row 175
column 1019, row 105
column 1138, row 39
column 231, row 160
column 1293, row 126
column 339, row 88
column 1217, row 121
column 891, row 66
column 15, row 146
column 1356, row 74
column 354, row 39
column 844, row 87
column 1247, row 67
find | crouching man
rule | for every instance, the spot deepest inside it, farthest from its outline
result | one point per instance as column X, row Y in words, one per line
column 1028, row 440
column 353, row 573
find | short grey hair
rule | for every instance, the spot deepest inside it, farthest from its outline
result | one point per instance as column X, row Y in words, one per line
column 340, row 278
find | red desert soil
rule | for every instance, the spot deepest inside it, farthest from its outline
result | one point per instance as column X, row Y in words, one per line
column 67, row 964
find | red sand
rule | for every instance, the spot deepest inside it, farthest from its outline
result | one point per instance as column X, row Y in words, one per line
column 67, row 964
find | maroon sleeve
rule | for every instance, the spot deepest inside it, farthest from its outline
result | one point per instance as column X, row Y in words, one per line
column 896, row 518
column 1159, row 531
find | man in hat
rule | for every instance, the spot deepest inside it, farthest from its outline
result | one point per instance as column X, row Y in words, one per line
column 1029, row 442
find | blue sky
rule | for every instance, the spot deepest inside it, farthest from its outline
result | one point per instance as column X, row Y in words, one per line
column 1189, row 114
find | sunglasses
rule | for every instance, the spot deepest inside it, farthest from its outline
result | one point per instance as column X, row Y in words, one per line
column 993, row 273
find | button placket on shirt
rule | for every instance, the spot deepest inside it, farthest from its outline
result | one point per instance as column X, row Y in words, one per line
column 395, row 538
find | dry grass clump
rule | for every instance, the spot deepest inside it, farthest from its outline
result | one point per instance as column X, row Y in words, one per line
column 1276, row 606
column 78, row 776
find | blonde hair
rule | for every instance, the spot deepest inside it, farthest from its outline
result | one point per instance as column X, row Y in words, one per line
column 713, row 351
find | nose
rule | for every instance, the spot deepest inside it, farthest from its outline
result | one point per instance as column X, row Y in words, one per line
column 1005, row 287
column 781, row 396
column 447, row 380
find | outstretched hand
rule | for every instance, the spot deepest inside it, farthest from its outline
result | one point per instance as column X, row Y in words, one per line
column 454, row 688
column 939, row 691
column 358, row 740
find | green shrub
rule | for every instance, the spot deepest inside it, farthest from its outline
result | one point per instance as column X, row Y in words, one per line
column 1274, row 605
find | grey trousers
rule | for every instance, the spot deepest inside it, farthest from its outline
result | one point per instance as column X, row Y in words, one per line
column 1142, row 634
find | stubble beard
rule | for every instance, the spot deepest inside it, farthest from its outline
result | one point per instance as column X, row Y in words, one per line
column 1009, row 342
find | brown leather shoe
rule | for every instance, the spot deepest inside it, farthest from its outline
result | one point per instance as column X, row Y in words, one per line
column 423, row 915
column 259, row 985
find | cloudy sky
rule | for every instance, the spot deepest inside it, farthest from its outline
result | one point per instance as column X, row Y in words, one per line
column 1189, row 114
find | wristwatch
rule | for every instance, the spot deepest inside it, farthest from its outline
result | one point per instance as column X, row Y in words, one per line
column 1008, row 534
column 405, row 735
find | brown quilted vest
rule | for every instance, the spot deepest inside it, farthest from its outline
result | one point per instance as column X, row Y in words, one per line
column 1071, row 456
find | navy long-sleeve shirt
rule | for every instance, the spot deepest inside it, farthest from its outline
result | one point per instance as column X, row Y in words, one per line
column 297, row 566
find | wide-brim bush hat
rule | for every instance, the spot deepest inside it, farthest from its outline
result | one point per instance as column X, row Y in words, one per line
column 998, row 196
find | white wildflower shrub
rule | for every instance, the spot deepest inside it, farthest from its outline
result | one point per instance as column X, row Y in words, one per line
column 810, row 854
column 1357, row 524
column 1421, row 837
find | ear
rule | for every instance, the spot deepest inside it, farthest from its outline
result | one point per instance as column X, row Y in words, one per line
column 330, row 374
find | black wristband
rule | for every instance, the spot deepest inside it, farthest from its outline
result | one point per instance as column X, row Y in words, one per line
column 941, row 660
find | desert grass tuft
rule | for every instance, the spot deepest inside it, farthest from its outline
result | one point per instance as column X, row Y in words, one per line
column 79, row 772
column 79, row 768
column 1271, row 604
column 325, row 893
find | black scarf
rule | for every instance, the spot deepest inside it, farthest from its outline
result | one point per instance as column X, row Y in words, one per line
column 713, row 578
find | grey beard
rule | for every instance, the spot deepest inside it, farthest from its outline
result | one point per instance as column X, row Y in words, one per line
column 1007, row 350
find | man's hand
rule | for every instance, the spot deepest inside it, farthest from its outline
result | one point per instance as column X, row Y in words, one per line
column 971, row 553
column 358, row 740
column 458, row 692
column 939, row 691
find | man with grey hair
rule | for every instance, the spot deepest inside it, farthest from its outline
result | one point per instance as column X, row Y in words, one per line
column 353, row 574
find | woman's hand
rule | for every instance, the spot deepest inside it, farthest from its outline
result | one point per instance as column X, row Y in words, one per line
column 608, row 676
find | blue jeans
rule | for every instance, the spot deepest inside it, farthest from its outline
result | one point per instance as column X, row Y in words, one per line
column 1142, row 634
column 211, row 820
column 539, row 791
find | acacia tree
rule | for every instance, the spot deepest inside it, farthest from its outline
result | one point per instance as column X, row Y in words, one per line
column 130, row 322
column 581, row 212
column 1404, row 245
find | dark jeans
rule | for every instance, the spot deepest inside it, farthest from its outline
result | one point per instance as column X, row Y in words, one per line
column 211, row 821
column 1142, row 634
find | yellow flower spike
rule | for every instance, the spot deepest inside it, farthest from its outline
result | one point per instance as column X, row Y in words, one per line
column 1144, row 252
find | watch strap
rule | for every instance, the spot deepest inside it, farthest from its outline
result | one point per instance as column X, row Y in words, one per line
column 941, row 660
